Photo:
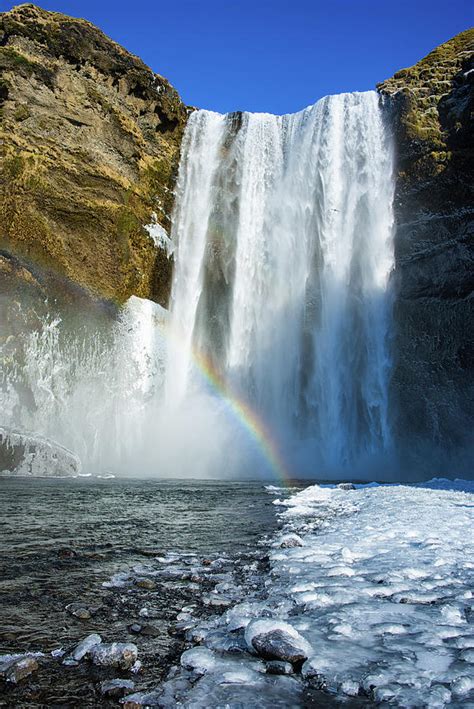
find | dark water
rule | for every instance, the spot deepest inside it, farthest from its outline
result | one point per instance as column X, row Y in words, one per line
column 61, row 539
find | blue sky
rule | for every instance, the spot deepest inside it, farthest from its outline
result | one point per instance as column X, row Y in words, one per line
column 273, row 55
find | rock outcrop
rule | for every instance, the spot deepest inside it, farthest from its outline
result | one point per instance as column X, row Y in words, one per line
column 90, row 141
column 29, row 455
column 432, row 107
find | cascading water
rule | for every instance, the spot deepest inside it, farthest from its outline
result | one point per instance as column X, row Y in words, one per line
column 277, row 340
column 283, row 237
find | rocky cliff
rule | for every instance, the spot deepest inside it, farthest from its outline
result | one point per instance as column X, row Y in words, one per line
column 432, row 107
column 90, row 141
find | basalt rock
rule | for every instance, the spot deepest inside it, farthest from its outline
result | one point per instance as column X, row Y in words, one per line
column 90, row 141
column 432, row 106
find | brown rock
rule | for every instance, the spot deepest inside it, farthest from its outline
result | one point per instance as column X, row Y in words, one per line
column 20, row 669
column 90, row 142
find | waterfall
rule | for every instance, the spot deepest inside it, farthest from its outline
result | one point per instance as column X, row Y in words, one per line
column 283, row 246
column 275, row 355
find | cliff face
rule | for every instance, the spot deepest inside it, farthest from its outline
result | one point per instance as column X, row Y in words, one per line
column 432, row 106
column 90, row 141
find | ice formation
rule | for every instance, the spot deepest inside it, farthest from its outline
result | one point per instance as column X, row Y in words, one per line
column 379, row 592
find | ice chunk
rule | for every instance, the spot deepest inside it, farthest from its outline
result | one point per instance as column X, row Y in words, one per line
column 198, row 659
column 85, row 646
column 121, row 655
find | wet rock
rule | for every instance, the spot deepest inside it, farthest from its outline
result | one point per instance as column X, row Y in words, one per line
column 276, row 640
column 216, row 601
column 141, row 699
column 135, row 628
column 122, row 655
column 346, row 486
column 311, row 673
column 27, row 455
column 81, row 610
column 279, row 645
column 82, row 613
column 115, row 688
column 276, row 667
column 85, row 646
column 147, row 584
column 151, row 630
column 20, row 668
column 66, row 553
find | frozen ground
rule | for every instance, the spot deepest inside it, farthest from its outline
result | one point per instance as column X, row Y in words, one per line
column 372, row 585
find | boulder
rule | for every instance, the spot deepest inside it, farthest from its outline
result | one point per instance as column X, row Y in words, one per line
column 26, row 454
column 277, row 640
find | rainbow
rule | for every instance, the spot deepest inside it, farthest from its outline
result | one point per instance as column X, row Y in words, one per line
column 245, row 416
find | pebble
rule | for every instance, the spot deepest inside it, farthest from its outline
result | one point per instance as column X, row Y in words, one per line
column 116, row 687
column 276, row 667
column 147, row 584
column 81, row 611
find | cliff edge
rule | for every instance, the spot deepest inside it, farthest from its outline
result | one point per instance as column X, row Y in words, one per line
column 432, row 108
column 90, row 141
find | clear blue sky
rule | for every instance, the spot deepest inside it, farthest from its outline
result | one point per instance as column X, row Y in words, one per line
column 272, row 55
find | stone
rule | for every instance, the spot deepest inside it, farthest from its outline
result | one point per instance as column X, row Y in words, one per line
column 147, row 584
column 30, row 455
column 20, row 669
column 276, row 640
column 346, row 486
column 66, row 553
column 279, row 645
column 150, row 630
column 276, row 667
column 81, row 613
column 122, row 655
column 141, row 699
column 116, row 688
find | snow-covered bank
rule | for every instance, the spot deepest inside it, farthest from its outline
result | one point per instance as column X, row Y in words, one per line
column 374, row 587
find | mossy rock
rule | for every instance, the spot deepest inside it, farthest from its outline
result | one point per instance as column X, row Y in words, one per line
column 83, row 167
